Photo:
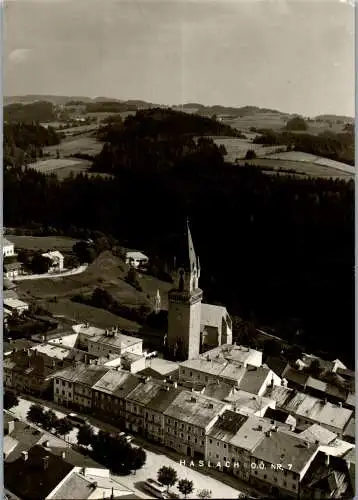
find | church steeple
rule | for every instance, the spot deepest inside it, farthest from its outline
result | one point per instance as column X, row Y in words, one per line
column 187, row 263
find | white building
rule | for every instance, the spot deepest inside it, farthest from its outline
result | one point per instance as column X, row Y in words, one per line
column 8, row 248
column 136, row 259
column 57, row 260
column 113, row 342
column 16, row 305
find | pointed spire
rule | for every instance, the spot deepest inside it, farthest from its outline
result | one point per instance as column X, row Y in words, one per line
column 192, row 256
column 185, row 253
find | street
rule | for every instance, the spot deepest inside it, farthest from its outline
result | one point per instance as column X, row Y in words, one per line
column 155, row 460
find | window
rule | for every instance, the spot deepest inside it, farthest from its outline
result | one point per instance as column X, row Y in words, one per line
column 217, row 456
column 210, row 441
column 181, row 435
column 202, row 443
column 224, row 459
column 188, row 437
column 275, row 479
column 146, row 415
column 224, row 445
column 206, row 379
column 189, row 429
column 168, row 430
column 256, row 472
column 176, row 424
column 265, row 476
column 218, row 443
column 285, row 483
column 293, row 486
column 285, row 473
column 196, row 440
column 191, row 373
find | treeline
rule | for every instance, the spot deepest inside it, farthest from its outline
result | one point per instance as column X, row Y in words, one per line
column 24, row 142
column 109, row 107
column 274, row 249
column 335, row 146
column 40, row 111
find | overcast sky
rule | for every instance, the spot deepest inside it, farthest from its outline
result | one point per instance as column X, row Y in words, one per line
column 291, row 55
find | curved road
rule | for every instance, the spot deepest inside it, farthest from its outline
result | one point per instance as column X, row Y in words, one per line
column 71, row 272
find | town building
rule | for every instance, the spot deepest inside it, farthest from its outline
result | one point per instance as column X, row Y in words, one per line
column 215, row 326
column 309, row 410
column 57, row 260
column 232, row 352
column 12, row 269
column 16, row 305
column 280, row 461
column 8, row 248
column 136, row 259
column 72, row 387
column 113, row 342
column 188, row 419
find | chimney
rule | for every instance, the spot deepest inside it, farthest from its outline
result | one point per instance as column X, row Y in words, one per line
column 45, row 444
column 211, row 406
column 175, row 385
column 340, row 404
column 24, row 456
column 45, row 462
column 63, row 455
column 193, row 400
column 326, row 461
column 268, row 433
column 11, row 426
column 9, row 339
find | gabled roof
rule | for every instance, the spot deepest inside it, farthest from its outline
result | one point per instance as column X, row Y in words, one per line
column 7, row 243
column 144, row 393
column 318, row 433
column 30, row 480
column 212, row 315
column 227, row 425
column 163, row 399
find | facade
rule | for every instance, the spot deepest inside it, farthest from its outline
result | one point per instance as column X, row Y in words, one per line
column 8, row 248
column 187, row 421
column 57, row 260
column 72, row 387
column 12, row 270
column 109, row 342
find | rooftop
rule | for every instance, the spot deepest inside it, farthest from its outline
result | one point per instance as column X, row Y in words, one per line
column 318, row 433
column 162, row 366
column 67, row 340
column 135, row 255
column 144, row 393
column 53, row 351
column 87, row 329
column 217, row 389
column 248, row 401
column 195, row 409
column 7, row 243
column 32, row 479
column 212, row 315
column 117, row 382
column 12, row 266
column 55, row 254
column 163, row 399
column 233, row 352
column 75, row 487
column 227, row 425
column 14, row 303
column 115, row 339
column 286, row 449
column 251, row 432
column 82, row 374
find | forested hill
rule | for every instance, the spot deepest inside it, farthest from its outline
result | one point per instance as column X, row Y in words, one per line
column 28, row 113
column 25, row 142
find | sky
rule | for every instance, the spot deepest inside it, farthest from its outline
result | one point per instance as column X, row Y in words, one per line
column 296, row 56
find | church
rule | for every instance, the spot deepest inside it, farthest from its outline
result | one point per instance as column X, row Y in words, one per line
column 193, row 327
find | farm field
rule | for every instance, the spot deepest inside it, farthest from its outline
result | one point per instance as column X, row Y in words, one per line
column 303, row 168
column 81, row 144
column 307, row 157
column 42, row 242
column 237, row 148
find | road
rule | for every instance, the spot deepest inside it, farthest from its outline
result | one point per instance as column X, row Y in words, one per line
column 71, row 272
column 155, row 459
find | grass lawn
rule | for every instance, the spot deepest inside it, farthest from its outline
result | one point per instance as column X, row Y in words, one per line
column 84, row 144
column 42, row 242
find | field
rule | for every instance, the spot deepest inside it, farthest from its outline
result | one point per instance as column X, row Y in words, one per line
column 82, row 144
column 317, row 160
column 237, row 148
column 302, row 168
column 42, row 242
column 108, row 272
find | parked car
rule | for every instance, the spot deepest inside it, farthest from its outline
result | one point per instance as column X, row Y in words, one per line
column 77, row 419
column 155, row 488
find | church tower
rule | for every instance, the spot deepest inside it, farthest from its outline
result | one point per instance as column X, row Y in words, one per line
column 184, row 311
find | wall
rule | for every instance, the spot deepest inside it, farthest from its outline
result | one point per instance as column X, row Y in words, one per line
column 8, row 250
column 184, row 322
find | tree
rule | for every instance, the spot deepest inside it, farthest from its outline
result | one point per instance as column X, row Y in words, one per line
column 167, row 476
column 296, row 123
column 204, row 493
column 185, row 487
column 138, row 458
column 10, row 400
column 85, row 435
column 35, row 414
column 63, row 426
column 40, row 264
column 50, row 420
column 250, row 154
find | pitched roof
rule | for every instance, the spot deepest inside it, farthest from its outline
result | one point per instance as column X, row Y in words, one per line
column 29, row 479
column 75, row 487
column 117, row 382
column 318, row 433
column 7, row 243
column 73, row 457
column 286, row 449
column 163, row 399
column 136, row 255
column 26, row 437
column 12, row 266
column 251, row 433
column 116, row 340
column 254, row 378
column 227, row 425
column 55, row 254
column 212, row 315
column 144, row 393
column 296, row 376
column 217, row 389
column 82, row 374
column 247, row 401
column 277, row 365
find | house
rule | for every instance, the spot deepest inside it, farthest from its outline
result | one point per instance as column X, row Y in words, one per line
column 232, row 352
column 134, row 363
column 16, row 305
column 328, row 477
column 72, row 387
column 248, row 403
column 113, row 342
column 309, row 410
column 136, row 259
column 215, row 326
column 280, row 462
column 12, row 269
column 136, row 402
column 109, row 395
column 35, row 474
column 8, row 248
column 57, row 260
column 187, row 421
column 160, row 369
column 248, row 378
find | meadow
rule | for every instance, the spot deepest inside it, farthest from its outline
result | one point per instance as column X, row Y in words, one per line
column 41, row 242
